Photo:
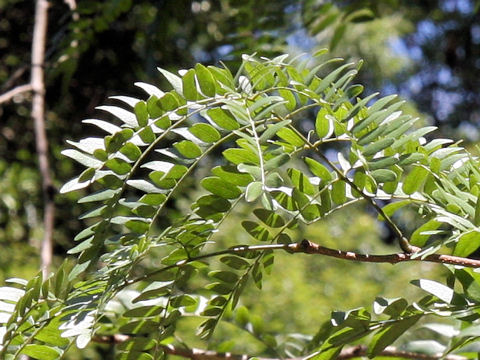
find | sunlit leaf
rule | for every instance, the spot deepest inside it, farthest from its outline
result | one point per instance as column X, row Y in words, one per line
column 221, row 188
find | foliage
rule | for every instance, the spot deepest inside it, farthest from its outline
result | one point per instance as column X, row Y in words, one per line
column 131, row 38
column 127, row 38
column 135, row 268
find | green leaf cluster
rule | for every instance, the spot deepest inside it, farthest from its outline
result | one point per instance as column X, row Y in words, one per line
column 257, row 119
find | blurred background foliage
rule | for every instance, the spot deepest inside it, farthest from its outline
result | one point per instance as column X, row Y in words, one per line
column 428, row 52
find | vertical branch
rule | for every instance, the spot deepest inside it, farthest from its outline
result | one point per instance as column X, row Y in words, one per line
column 38, row 115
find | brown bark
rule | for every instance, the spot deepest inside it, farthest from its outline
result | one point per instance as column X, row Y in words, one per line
column 310, row 247
column 347, row 353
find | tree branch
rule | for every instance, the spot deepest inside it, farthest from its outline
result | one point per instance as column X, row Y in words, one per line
column 15, row 91
column 38, row 114
column 201, row 354
column 361, row 350
column 309, row 247
column 14, row 77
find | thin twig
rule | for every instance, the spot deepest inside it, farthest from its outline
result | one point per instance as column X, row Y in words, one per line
column 361, row 350
column 201, row 354
column 38, row 115
column 9, row 95
column 309, row 247
column 14, row 77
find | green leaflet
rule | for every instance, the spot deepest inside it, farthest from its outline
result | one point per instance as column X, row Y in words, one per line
column 143, row 311
column 147, row 135
column 173, row 79
column 189, row 86
column 225, row 276
column 380, row 103
column 326, row 82
column 377, row 146
column 41, row 352
column 338, row 192
column 391, row 208
column 272, row 130
column 467, row 244
column 415, row 179
column 239, row 156
column 318, row 169
column 253, row 191
column 183, row 300
column 441, row 291
column 392, row 307
column 388, row 335
column 119, row 166
column 223, row 76
column 276, row 162
column 290, row 97
column 232, row 175
column 211, row 206
column 188, row 149
column 234, row 262
column 384, row 175
column 223, row 118
column 258, row 231
column 127, row 117
column 382, row 162
column 153, row 107
column 169, row 101
column 324, row 123
column 423, row 233
column 290, row 137
column 359, row 105
column 87, row 175
column 476, row 220
column 269, row 217
column 141, row 112
column 205, row 132
column 205, row 80
column 301, row 181
column 221, row 188
column 114, row 142
column 470, row 281
column 131, row 151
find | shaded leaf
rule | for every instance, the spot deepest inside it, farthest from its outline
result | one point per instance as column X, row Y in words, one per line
column 423, row 233
column 253, row 191
column 257, row 231
column 318, row 169
column 301, row 181
column 388, row 335
column 467, row 244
